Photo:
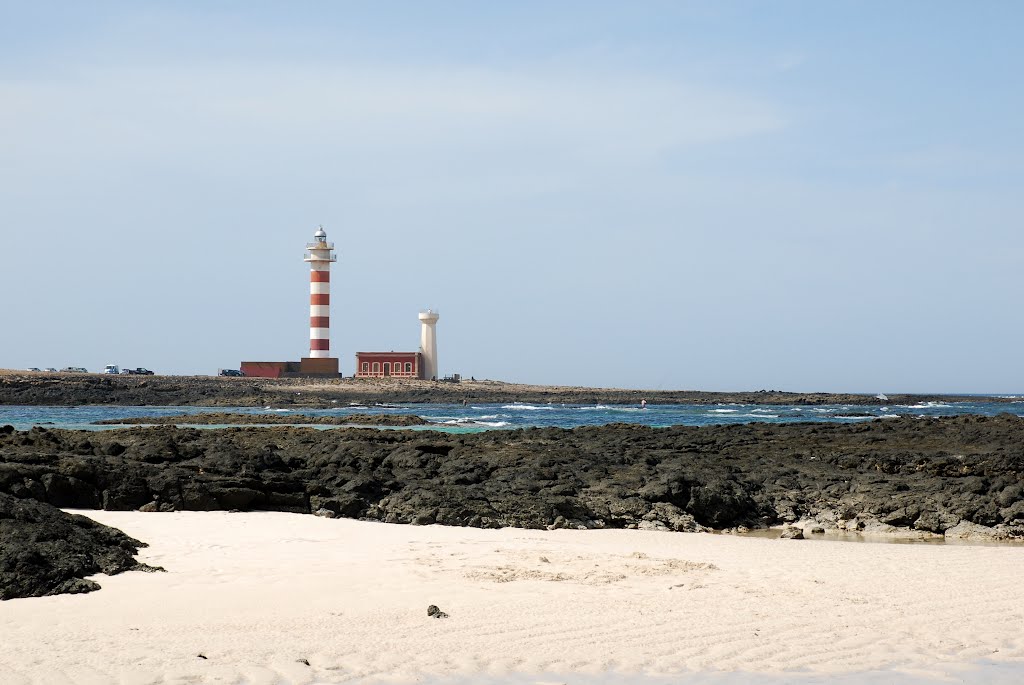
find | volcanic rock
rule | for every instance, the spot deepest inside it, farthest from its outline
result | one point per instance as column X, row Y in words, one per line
column 878, row 476
column 45, row 551
column 434, row 612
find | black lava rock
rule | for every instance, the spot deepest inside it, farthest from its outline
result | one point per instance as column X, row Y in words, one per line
column 45, row 551
column 923, row 474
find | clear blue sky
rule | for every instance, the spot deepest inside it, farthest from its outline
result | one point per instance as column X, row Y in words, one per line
column 715, row 195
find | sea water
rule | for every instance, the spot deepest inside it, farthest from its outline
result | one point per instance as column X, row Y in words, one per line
column 457, row 418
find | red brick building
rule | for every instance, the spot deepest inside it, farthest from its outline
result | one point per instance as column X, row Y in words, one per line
column 389, row 365
column 325, row 367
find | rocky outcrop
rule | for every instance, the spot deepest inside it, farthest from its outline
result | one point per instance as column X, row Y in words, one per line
column 45, row 551
column 928, row 475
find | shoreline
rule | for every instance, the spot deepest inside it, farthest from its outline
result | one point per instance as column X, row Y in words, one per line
column 954, row 477
column 275, row 597
column 958, row 476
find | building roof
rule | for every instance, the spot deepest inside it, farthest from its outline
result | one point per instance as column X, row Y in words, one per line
column 379, row 354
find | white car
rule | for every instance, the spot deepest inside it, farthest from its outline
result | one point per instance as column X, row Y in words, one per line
column 111, row 368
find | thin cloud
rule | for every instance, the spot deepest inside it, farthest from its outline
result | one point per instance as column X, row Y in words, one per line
column 157, row 112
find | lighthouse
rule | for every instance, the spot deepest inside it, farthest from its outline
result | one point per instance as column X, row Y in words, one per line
column 319, row 363
column 428, row 343
column 320, row 254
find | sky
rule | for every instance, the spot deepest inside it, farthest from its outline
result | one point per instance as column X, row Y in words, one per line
column 720, row 195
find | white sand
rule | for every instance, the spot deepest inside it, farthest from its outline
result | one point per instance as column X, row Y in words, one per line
column 255, row 592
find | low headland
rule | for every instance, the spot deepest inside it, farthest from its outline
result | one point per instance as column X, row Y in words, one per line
column 72, row 389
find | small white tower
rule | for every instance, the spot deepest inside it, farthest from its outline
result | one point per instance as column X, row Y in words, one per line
column 320, row 254
column 428, row 343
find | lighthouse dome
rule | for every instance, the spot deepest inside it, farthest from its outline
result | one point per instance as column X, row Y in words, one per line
column 320, row 234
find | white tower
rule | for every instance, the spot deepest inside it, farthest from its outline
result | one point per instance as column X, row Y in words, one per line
column 428, row 343
column 320, row 254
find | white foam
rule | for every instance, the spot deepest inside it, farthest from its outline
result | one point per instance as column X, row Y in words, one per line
column 527, row 407
column 723, row 411
column 475, row 422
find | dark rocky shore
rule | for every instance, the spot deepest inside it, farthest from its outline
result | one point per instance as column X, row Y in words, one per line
column 955, row 476
column 71, row 389
column 45, row 551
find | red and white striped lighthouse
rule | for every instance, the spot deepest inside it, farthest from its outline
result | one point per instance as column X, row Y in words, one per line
column 320, row 254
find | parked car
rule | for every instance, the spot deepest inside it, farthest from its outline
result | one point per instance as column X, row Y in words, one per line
column 139, row 371
column 74, row 369
column 230, row 372
column 33, row 369
column 51, row 369
column 111, row 368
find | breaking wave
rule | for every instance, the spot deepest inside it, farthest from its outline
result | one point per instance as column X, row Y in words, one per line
column 475, row 422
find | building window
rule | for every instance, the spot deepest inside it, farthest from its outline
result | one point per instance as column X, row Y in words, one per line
column 376, row 367
column 387, row 368
column 408, row 367
column 366, row 367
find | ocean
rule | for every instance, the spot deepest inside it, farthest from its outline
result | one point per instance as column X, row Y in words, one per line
column 481, row 417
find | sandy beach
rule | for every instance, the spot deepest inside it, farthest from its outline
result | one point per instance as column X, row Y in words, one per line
column 257, row 594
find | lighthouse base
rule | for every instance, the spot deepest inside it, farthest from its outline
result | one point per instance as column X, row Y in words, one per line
column 318, row 367
column 308, row 367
